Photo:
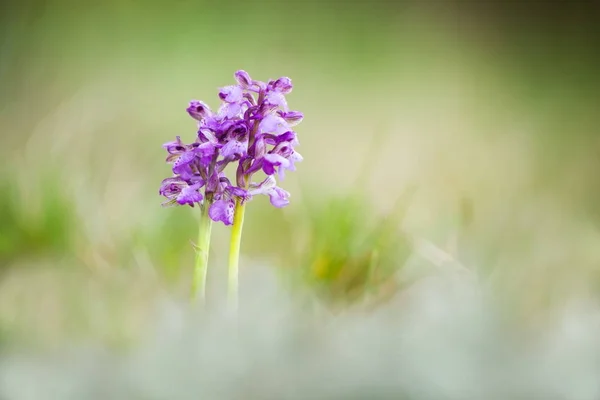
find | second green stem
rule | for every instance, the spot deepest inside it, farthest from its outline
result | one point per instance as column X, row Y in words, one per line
column 234, row 253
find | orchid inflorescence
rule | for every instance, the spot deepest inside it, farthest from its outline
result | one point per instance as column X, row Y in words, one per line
column 253, row 128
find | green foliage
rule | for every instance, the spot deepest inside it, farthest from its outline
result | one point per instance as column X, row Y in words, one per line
column 353, row 256
column 27, row 230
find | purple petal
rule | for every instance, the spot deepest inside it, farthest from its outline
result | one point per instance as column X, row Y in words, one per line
column 273, row 124
column 222, row 210
column 277, row 99
column 268, row 169
column 206, row 149
column 234, row 149
column 289, row 136
column 190, row 195
column 256, row 166
column 196, row 179
column 271, row 161
column 279, row 197
column 231, row 94
column 276, row 159
column 186, row 172
column 183, row 160
column 230, row 110
column 182, row 166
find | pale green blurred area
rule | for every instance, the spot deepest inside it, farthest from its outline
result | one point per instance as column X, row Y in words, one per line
column 464, row 106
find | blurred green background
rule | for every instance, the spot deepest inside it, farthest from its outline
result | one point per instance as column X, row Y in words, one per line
column 472, row 125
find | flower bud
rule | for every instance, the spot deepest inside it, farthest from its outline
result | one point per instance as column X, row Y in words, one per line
column 198, row 110
column 243, row 79
column 283, row 85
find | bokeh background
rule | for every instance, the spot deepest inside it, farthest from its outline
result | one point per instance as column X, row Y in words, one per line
column 434, row 131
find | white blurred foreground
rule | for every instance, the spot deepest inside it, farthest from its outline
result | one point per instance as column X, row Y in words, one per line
column 441, row 339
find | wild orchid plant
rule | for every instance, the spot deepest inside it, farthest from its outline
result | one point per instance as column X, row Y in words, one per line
column 253, row 130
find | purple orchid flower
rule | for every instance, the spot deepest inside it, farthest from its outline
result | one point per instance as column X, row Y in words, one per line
column 253, row 129
column 222, row 210
column 177, row 190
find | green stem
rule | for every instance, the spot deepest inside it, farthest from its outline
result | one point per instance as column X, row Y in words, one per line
column 234, row 253
column 202, row 248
